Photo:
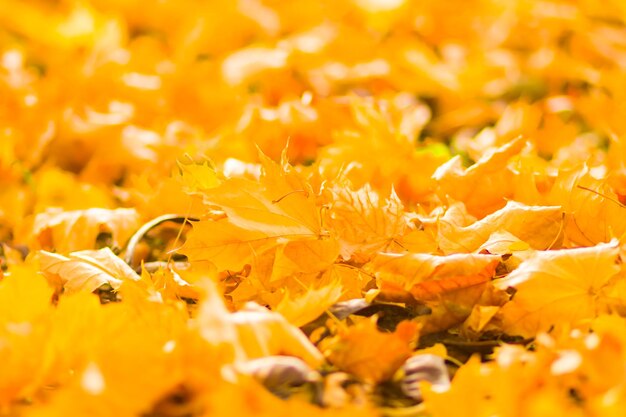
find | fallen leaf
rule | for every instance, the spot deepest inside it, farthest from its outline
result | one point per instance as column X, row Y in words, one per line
column 484, row 186
column 541, row 227
column 558, row 288
column 411, row 269
column 67, row 231
column 364, row 222
column 86, row 270
column 196, row 178
column 310, row 305
column 280, row 206
column 452, row 299
column 379, row 357
column 596, row 213
column 253, row 331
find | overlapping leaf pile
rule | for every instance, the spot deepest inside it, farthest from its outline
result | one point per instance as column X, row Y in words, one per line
column 264, row 207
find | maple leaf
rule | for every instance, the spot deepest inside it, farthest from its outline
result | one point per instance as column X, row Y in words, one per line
column 513, row 250
column 478, row 320
column 280, row 206
column 302, row 257
column 196, row 178
column 227, row 246
column 377, row 359
column 411, row 269
column 364, row 223
column 86, row 270
column 596, row 213
column 451, row 286
column 503, row 243
column 169, row 283
column 310, row 305
column 453, row 299
column 398, row 163
column 433, row 289
column 484, row 186
column 541, row 227
column 280, row 202
column 253, row 331
column 67, row 231
column 558, row 288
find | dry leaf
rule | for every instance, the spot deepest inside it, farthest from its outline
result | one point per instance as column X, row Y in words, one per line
column 305, row 308
column 485, row 186
column 67, row 231
column 378, row 358
column 540, row 227
column 364, row 222
column 558, row 288
column 86, row 270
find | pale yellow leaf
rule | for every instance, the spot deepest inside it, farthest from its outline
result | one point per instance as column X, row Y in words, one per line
column 305, row 308
column 86, row 270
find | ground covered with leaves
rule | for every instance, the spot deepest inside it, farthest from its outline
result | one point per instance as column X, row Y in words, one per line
column 312, row 207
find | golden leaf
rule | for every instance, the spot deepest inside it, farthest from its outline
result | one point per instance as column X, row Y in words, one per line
column 280, row 206
column 596, row 213
column 67, row 231
column 86, row 270
column 411, row 269
column 364, row 223
column 253, row 331
column 558, row 288
column 370, row 354
column 310, row 305
column 484, row 186
column 539, row 226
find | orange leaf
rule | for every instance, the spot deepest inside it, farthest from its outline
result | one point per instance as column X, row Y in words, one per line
column 368, row 353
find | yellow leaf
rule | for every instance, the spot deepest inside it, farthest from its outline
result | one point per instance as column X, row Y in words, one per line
column 558, row 288
column 310, row 305
column 438, row 349
column 364, row 222
column 370, row 354
column 503, row 242
column 280, row 206
column 484, row 186
column 253, row 331
column 227, row 246
column 197, row 177
column 596, row 213
column 478, row 319
column 281, row 203
column 86, row 270
column 539, row 226
column 67, row 231
column 304, row 257
column 24, row 296
column 512, row 250
column 411, row 269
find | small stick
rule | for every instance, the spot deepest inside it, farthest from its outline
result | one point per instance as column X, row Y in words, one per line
column 146, row 227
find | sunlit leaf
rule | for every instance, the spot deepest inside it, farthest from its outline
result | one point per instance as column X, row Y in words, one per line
column 86, row 270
